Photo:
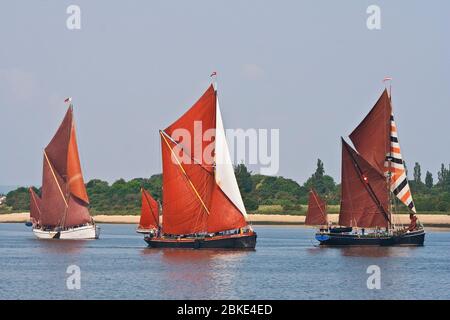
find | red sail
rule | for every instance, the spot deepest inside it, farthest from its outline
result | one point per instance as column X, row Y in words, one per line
column 58, row 147
column 35, row 207
column 64, row 197
column 316, row 215
column 372, row 137
column 77, row 213
column 199, row 119
column 192, row 201
column 364, row 200
column 54, row 203
column 184, row 188
column 223, row 214
column 74, row 174
column 149, row 211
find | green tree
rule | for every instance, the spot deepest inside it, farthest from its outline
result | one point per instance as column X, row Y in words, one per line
column 154, row 185
column 244, row 178
column 444, row 178
column 442, row 174
column 19, row 199
column 250, row 203
column 270, row 190
column 417, row 173
column 320, row 171
column 429, row 180
column 321, row 182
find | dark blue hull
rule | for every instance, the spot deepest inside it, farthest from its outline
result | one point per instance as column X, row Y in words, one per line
column 244, row 241
column 415, row 238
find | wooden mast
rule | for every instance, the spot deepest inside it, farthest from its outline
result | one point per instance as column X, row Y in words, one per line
column 389, row 158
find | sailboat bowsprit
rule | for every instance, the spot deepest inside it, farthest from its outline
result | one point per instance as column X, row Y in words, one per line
column 373, row 180
column 202, row 206
column 62, row 210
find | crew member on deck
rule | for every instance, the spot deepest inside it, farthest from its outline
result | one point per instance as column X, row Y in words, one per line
column 413, row 224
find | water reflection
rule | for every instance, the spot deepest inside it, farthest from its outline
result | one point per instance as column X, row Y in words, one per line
column 202, row 255
column 209, row 273
column 366, row 251
column 379, row 252
column 369, row 252
column 61, row 246
column 184, row 255
column 285, row 265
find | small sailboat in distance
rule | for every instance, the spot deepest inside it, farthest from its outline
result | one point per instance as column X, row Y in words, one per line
column 317, row 216
column 62, row 210
column 149, row 221
column 202, row 206
column 373, row 180
column 317, row 210
column 35, row 207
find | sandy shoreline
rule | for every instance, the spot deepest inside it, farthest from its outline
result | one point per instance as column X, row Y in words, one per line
column 436, row 220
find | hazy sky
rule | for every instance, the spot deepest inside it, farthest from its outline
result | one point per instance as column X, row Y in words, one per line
column 309, row 68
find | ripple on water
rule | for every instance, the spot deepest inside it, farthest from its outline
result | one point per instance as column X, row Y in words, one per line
column 285, row 265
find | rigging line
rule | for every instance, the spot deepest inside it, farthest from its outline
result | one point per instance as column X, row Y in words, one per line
column 148, row 202
column 54, row 177
column 371, row 192
column 184, row 148
column 184, row 172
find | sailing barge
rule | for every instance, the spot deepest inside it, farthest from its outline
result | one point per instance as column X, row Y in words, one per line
column 202, row 206
column 149, row 220
column 62, row 210
column 317, row 210
column 373, row 181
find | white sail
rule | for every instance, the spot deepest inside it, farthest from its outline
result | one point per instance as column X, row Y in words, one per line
column 224, row 175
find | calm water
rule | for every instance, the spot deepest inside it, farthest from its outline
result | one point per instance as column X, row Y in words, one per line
column 285, row 265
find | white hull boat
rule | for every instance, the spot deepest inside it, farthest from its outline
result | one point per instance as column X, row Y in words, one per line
column 77, row 233
column 62, row 208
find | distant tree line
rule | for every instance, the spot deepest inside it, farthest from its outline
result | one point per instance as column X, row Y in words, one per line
column 428, row 195
column 257, row 191
column 120, row 197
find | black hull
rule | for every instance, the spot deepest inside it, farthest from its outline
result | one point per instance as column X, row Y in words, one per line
column 415, row 238
column 219, row 242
